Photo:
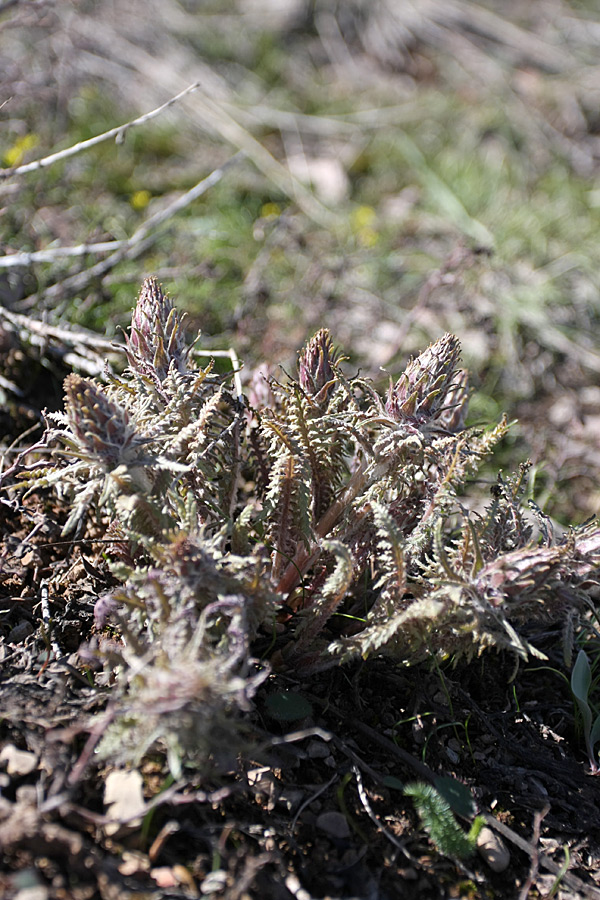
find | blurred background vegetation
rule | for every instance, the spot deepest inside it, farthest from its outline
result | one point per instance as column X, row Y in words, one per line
column 407, row 168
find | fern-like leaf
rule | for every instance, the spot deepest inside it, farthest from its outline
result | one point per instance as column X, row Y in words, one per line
column 438, row 821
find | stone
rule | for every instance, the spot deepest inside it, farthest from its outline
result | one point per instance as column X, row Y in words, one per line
column 334, row 824
column 492, row 850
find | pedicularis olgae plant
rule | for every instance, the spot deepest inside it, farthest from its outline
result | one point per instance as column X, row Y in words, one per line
column 317, row 503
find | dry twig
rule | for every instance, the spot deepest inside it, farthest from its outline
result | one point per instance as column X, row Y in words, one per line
column 135, row 245
column 118, row 133
column 54, row 253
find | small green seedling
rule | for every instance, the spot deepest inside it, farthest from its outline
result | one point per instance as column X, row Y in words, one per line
column 434, row 806
column 581, row 680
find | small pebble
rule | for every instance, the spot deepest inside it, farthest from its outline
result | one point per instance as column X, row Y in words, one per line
column 29, row 886
column 18, row 762
column 18, row 634
column 33, row 893
column 492, row 850
column 214, row 882
column 291, row 798
column 27, row 794
column 333, row 824
column 544, row 884
column 318, row 750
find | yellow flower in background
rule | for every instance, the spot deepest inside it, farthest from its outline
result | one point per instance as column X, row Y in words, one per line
column 363, row 217
column 270, row 210
column 14, row 155
column 140, row 199
column 363, row 221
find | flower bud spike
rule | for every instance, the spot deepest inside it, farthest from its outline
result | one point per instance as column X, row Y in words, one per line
column 420, row 394
column 156, row 339
column 100, row 426
column 315, row 366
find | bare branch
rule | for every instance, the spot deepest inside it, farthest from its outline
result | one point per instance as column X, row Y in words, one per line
column 65, row 335
column 118, row 133
column 75, row 347
column 25, row 259
column 139, row 241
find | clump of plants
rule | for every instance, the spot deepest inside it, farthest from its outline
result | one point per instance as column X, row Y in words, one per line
column 319, row 511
